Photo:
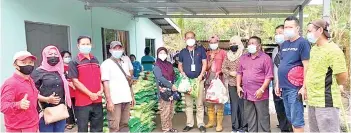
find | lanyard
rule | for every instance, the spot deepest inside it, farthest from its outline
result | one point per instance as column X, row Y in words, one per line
column 192, row 57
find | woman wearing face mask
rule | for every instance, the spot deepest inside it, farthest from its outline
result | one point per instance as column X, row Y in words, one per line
column 71, row 121
column 215, row 59
column 229, row 69
column 50, row 80
column 165, row 76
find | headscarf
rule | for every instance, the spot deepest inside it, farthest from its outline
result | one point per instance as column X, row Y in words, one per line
column 165, row 66
column 234, row 56
column 59, row 68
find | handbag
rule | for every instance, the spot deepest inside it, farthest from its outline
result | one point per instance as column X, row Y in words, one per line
column 125, row 75
column 55, row 114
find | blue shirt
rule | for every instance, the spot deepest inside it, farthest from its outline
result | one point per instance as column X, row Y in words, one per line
column 292, row 55
column 148, row 62
column 185, row 57
column 136, row 68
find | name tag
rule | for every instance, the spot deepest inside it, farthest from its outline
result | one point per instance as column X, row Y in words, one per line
column 193, row 68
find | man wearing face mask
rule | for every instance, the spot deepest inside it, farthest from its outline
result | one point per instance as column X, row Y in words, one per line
column 119, row 95
column 84, row 71
column 326, row 78
column 284, row 124
column 294, row 56
column 19, row 96
column 215, row 59
column 255, row 72
column 193, row 64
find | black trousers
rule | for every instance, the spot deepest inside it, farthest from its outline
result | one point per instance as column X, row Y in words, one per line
column 92, row 113
column 71, row 119
column 257, row 115
column 284, row 124
column 237, row 110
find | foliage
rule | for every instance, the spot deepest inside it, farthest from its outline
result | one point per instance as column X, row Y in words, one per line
column 264, row 28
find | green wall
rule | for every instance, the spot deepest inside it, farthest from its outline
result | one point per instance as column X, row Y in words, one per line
column 70, row 13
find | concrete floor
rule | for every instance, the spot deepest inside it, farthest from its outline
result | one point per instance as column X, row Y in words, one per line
column 179, row 121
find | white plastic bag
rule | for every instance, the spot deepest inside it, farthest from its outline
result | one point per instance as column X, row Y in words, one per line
column 184, row 85
column 217, row 92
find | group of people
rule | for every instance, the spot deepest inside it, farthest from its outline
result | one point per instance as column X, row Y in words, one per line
column 298, row 71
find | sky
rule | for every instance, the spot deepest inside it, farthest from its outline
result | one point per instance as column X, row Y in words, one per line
column 316, row 2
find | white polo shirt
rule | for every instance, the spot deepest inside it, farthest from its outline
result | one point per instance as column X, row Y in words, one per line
column 127, row 65
column 119, row 87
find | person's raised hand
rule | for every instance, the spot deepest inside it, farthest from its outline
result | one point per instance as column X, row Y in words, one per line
column 24, row 103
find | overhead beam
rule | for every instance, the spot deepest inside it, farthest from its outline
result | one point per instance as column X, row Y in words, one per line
column 188, row 10
column 183, row 8
column 304, row 3
column 149, row 8
column 156, row 10
column 195, row 4
column 217, row 16
column 226, row 12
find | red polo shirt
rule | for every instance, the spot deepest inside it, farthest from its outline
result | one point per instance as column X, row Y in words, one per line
column 12, row 92
column 87, row 71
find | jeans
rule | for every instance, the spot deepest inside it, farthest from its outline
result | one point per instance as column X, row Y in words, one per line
column 53, row 127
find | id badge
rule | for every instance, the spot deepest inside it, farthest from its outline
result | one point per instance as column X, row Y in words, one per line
column 193, row 67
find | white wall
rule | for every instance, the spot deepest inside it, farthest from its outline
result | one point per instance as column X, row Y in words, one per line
column 80, row 21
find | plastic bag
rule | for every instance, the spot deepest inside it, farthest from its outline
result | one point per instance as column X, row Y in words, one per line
column 194, row 88
column 217, row 92
column 183, row 85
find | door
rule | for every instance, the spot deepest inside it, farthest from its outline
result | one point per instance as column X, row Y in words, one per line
column 39, row 35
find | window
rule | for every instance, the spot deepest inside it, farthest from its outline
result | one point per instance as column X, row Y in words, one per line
column 151, row 44
column 110, row 35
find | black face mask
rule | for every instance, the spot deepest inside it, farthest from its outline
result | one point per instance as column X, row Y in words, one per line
column 26, row 70
column 234, row 48
column 52, row 61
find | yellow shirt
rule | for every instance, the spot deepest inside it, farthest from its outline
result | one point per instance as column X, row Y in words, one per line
column 325, row 62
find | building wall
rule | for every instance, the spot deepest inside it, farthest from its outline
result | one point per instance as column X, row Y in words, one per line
column 80, row 21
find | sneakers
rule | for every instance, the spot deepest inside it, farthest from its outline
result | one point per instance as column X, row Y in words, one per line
column 202, row 129
column 187, row 129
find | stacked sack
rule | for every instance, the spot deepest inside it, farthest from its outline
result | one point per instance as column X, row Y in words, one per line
column 143, row 113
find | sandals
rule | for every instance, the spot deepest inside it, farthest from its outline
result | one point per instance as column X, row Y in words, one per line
column 172, row 130
column 70, row 126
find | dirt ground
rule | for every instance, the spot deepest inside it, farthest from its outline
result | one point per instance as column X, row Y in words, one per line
column 179, row 121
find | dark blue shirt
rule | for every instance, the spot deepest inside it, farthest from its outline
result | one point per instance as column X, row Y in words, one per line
column 292, row 55
column 198, row 55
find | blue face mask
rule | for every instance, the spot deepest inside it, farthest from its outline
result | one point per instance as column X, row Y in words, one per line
column 311, row 38
column 85, row 49
column 289, row 33
column 116, row 53
column 279, row 39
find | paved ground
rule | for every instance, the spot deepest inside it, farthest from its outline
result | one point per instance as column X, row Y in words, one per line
column 179, row 121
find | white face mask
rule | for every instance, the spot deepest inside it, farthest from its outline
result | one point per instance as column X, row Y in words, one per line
column 214, row 46
column 67, row 60
column 116, row 53
column 163, row 57
column 252, row 48
column 190, row 42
